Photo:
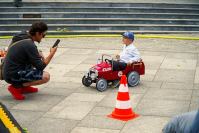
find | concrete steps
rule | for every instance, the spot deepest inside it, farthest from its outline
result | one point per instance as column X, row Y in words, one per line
column 100, row 9
column 98, row 17
column 104, row 27
column 101, row 21
column 83, row 15
column 102, row 4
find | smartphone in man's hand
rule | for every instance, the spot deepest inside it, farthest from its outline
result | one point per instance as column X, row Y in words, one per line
column 56, row 43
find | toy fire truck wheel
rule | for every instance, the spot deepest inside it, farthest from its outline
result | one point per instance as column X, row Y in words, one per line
column 101, row 85
column 86, row 81
column 133, row 78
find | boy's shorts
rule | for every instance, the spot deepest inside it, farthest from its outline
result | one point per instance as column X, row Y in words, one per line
column 24, row 76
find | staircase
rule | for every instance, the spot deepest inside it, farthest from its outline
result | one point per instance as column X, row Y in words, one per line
column 100, row 17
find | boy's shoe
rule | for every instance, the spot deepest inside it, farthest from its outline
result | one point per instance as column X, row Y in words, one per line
column 116, row 83
column 16, row 93
column 29, row 89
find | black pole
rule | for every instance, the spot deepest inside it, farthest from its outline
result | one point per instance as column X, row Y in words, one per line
column 18, row 3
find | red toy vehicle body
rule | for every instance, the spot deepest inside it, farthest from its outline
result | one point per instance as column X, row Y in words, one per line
column 102, row 73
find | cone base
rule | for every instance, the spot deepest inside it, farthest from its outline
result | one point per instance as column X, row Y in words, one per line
column 123, row 117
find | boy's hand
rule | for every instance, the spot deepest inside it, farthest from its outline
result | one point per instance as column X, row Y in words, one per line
column 117, row 57
column 129, row 63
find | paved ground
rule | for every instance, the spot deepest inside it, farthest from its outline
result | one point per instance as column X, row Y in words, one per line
column 64, row 105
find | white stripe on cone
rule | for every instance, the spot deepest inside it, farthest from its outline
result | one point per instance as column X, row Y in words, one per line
column 123, row 88
column 123, row 104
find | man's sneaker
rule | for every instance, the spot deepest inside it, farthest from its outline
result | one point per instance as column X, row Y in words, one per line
column 29, row 89
column 16, row 92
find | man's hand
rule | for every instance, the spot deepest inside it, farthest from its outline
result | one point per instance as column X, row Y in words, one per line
column 50, row 56
column 53, row 50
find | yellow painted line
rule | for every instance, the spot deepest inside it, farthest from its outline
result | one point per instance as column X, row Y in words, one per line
column 168, row 37
column 117, row 35
column 7, row 123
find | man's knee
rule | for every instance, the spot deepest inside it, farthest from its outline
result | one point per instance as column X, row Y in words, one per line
column 46, row 77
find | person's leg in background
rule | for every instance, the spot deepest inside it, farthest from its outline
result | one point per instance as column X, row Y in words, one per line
column 181, row 123
column 195, row 126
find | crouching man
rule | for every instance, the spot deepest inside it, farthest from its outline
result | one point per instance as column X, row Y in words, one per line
column 23, row 65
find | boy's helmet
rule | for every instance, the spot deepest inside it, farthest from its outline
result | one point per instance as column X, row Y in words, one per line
column 128, row 35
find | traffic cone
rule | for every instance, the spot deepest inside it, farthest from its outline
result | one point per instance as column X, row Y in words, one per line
column 123, row 110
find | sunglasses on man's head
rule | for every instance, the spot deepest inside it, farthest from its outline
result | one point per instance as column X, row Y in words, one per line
column 44, row 34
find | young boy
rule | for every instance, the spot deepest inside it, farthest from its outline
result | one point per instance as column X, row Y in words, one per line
column 129, row 53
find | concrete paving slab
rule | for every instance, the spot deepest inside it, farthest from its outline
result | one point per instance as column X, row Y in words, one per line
column 57, row 91
column 189, row 56
column 76, row 106
column 152, row 53
column 179, row 64
column 49, row 125
column 85, row 97
column 92, row 89
column 169, row 85
column 36, row 102
column 93, row 130
column 196, row 86
column 194, row 103
column 145, row 124
column 195, row 93
column 102, row 122
column 77, row 80
column 91, row 60
column 58, row 69
column 149, row 75
column 79, row 51
column 169, row 94
column 150, row 84
column 78, row 74
column 152, row 62
column 101, row 111
column 170, row 75
column 82, row 67
column 196, row 80
column 109, row 52
column 70, row 60
column 26, row 118
column 59, row 88
column 63, row 85
column 168, row 45
column 159, row 107
column 73, row 110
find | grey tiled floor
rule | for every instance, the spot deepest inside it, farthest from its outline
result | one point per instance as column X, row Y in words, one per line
column 64, row 105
